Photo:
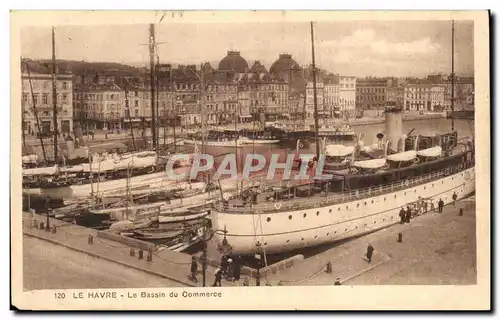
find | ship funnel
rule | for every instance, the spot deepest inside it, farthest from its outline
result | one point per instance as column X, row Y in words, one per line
column 393, row 126
column 415, row 146
column 78, row 136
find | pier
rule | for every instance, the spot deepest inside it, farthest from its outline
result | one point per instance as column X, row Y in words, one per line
column 436, row 248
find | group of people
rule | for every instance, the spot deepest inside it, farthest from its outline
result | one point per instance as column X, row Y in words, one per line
column 230, row 268
column 421, row 207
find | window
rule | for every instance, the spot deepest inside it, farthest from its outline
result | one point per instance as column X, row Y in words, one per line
column 290, row 217
column 64, row 98
column 136, row 112
column 136, row 103
column 268, row 219
column 305, row 215
column 45, row 98
column 65, row 85
column 25, row 97
column 35, row 99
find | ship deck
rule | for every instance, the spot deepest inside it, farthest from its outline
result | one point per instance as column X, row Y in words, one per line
column 236, row 206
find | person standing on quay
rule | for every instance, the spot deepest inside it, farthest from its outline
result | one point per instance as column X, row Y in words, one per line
column 408, row 214
column 454, row 197
column 402, row 214
column 218, row 278
column 369, row 252
column 440, row 205
column 194, row 269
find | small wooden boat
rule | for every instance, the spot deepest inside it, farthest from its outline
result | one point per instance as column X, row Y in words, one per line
column 190, row 215
column 145, row 235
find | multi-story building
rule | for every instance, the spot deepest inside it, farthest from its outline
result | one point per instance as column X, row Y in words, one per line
column 221, row 101
column 99, row 106
column 418, row 96
column 371, row 93
column 331, row 94
column 309, row 107
column 396, row 94
column 347, row 95
column 37, row 98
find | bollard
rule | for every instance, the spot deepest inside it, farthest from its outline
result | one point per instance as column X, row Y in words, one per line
column 329, row 267
column 150, row 256
column 42, row 225
column 34, row 223
column 91, row 239
column 461, row 212
column 54, row 229
column 141, row 253
column 400, row 237
column 132, row 252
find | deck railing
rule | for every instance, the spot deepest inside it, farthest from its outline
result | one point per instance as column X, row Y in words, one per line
column 325, row 198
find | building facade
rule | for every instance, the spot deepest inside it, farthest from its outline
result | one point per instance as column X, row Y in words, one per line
column 371, row 94
column 331, row 96
column 309, row 107
column 37, row 102
column 347, row 95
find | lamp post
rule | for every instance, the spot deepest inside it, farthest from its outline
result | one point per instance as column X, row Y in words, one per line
column 223, row 247
column 258, row 256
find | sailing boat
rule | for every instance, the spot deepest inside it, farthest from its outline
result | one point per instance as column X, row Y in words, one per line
column 356, row 203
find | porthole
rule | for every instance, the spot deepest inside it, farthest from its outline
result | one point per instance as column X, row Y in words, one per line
column 433, row 185
column 405, row 193
column 328, row 234
column 317, row 213
column 384, row 198
column 335, row 232
column 374, row 222
column 394, row 196
column 357, row 205
column 330, row 211
column 372, row 201
column 392, row 218
column 425, row 187
column 315, row 237
column 302, row 239
column 305, row 215
column 265, row 243
column 346, row 207
column 268, row 219
column 345, row 229
column 290, row 217
column 355, row 227
column 366, row 203
column 287, row 241
column 365, row 225
column 415, row 191
column 338, row 209
column 442, row 182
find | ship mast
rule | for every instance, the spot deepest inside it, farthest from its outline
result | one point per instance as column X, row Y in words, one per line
column 36, row 113
column 54, row 94
column 316, row 134
column 452, row 74
column 152, row 80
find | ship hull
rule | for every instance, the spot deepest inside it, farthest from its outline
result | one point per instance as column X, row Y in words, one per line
column 289, row 230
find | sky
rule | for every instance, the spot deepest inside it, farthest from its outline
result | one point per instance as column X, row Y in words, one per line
column 358, row 48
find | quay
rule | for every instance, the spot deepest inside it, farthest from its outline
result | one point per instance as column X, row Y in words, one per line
column 436, row 248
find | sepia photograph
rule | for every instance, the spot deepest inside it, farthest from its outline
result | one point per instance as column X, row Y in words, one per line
column 193, row 160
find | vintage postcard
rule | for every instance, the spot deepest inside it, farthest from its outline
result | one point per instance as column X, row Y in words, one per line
column 274, row 160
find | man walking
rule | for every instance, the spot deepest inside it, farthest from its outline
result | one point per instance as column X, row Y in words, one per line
column 454, row 197
column 408, row 214
column 194, row 269
column 369, row 253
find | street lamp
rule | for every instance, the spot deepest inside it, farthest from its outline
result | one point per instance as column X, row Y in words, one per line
column 206, row 236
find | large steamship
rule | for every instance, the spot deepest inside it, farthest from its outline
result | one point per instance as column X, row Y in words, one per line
column 366, row 192
column 364, row 197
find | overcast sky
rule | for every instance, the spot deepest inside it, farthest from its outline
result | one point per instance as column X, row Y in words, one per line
column 359, row 48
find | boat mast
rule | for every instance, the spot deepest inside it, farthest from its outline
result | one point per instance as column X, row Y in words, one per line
column 158, row 101
column 54, row 94
column 452, row 74
column 316, row 134
column 36, row 113
column 152, row 80
column 203, row 111
column 128, row 111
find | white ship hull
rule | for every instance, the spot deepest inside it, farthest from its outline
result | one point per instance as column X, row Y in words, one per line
column 84, row 190
column 224, row 144
column 288, row 230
